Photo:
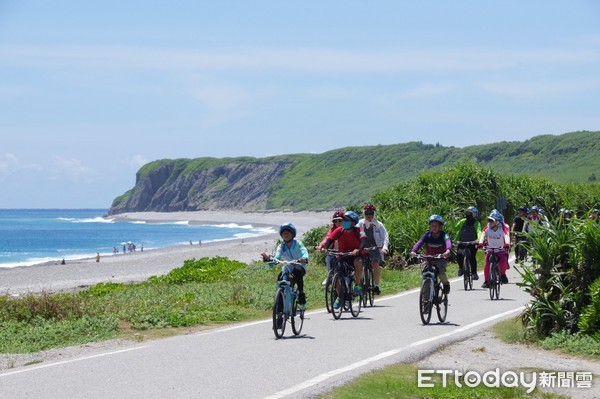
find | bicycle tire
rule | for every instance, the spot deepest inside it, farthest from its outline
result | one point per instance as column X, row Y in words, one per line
column 441, row 305
column 278, row 327
column 367, row 288
column 494, row 278
column 467, row 276
column 355, row 304
column 297, row 317
column 425, row 300
column 337, row 281
column 328, row 291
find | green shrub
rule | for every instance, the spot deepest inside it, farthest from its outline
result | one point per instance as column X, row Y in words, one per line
column 204, row 270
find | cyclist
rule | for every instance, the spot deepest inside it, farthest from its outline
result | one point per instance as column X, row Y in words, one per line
column 436, row 242
column 519, row 227
column 497, row 236
column 336, row 221
column 377, row 236
column 535, row 216
column 291, row 250
column 468, row 229
column 595, row 215
column 350, row 239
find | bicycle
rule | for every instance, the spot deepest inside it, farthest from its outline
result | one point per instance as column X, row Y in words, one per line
column 285, row 305
column 495, row 277
column 366, row 282
column 466, row 266
column 431, row 291
column 342, row 287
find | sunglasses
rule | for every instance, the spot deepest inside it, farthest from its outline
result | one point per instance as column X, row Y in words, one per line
column 369, row 213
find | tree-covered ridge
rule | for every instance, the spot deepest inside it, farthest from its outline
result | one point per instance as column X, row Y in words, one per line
column 347, row 175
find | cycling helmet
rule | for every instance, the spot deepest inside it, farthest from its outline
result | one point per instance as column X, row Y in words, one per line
column 535, row 208
column 568, row 212
column 496, row 216
column 524, row 209
column 338, row 215
column 289, row 227
column 597, row 211
column 369, row 208
column 473, row 210
column 352, row 216
column 435, row 218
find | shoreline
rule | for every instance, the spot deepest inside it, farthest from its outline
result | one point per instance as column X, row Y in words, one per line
column 138, row 266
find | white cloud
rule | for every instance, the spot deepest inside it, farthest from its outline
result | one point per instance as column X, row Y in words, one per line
column 10, row 163
column 71, row 168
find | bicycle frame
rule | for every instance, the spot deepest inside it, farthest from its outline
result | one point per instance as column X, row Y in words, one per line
column 286, row 296
column 466, row 266
column 431, row 294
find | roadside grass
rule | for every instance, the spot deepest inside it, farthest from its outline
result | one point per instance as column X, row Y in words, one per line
column 401, row 381
column 585, row 346
column 201, row 294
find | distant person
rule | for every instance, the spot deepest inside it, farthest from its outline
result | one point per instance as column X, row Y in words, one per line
column 63, row 262
column 124, row 249
column 191, row 243
column 377, row 236
column 519, row 228
column 97, row 256
column 495, row 237
column 595, row 215
column 141, row 247
column 199, row 242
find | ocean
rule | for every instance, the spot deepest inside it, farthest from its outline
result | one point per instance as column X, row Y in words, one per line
column 33, row 236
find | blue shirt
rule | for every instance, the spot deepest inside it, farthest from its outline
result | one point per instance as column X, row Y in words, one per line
column 294, row 252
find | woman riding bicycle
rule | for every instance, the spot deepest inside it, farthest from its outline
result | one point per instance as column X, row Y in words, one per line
column 468, row 229
column 437, row 242
column 377, row 236
column 292, row 250
column 352, row 239
column 497, row 237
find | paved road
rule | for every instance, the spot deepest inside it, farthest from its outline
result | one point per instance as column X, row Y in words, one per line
column 245, row 361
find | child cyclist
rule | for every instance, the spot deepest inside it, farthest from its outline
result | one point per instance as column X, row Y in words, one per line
column 350, row 239
column 377, row 236
column 437, row 242
column 497, row 236
column 468, row 230
column 292, row 250
column 336, row 221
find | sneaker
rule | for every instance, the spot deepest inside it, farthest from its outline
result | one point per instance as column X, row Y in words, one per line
column 446, row 289
column 460, row 271
column 503, row 279
column 336, row 304
column 357, row 290
column 376, row 290
column 302, row 298
column 486, row 284
column 475, row 276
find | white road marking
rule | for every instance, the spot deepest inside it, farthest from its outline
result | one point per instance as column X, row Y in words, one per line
column 325, row 376
column 43, row 366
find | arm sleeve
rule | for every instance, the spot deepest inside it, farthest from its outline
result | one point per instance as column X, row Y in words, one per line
column 303, row 250
column 386, row 237
column 419, row 244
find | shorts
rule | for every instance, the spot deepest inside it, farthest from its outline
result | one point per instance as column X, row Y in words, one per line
column 376, row 256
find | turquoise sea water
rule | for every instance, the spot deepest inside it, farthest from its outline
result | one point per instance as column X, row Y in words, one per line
column 31, row 236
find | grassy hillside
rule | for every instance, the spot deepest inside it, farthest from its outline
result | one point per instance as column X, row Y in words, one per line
column 350, row 175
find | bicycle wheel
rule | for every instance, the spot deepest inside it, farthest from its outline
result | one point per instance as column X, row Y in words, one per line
column 498, row 282
column 493, row 281
column 467, row 276
column 278, row 317
column 441, row 304
column 337, row 282
column 355, row 300
column 367, row 288
column 328, row 291
column 297, row 317
column 425, row 300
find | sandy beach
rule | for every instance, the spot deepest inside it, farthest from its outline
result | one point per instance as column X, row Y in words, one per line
column 138, row 266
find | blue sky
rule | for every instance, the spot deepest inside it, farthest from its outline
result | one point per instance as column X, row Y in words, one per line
column 90, row 91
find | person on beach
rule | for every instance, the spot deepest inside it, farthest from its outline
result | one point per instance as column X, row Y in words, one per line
column 377, row 236
column 291, row 250
column 97, row 256
column 336, row 221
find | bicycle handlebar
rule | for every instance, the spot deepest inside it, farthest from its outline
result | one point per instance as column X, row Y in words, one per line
column 466, row 242
column 338, row 253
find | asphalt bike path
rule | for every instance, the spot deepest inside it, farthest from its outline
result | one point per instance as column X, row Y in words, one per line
column 246, row 360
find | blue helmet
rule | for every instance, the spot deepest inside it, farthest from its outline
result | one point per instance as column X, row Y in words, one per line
column 596, row 211
column 524, row 209
column 353, row 216
column 535, row 208
column 473, row 210
column 496, row 215
column 289, row 227
column 435, row 218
